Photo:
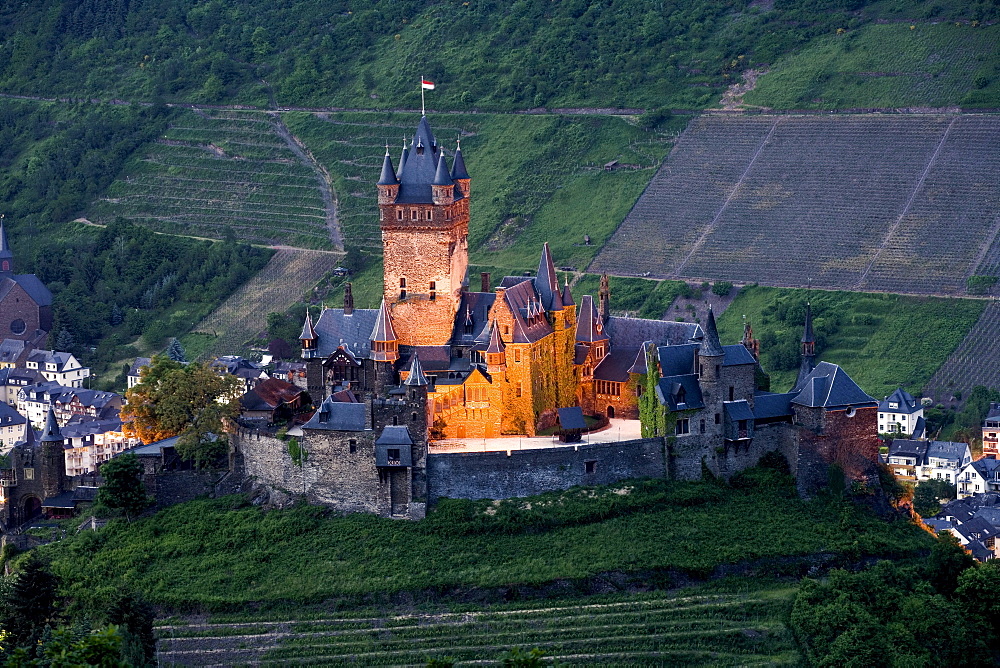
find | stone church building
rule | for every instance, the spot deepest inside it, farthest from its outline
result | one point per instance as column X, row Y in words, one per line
column 25, row 302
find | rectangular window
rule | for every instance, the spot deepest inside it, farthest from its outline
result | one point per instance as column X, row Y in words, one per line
column 718, row 418
column 353, row 445
column 590, row 466
column 703, row 426
column 399, row 214
column 731, row 392
column 517, row 354
column 682, row 427
column 517, row 391
column 414, row 214
column 430, row 215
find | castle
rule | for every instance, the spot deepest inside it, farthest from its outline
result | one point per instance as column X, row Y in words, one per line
column 437, row 360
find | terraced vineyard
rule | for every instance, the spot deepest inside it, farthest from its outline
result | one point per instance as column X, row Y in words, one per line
column 974, row 362
column 216, row 172
column 275, row 288
column 643, row 629
column 902, row 203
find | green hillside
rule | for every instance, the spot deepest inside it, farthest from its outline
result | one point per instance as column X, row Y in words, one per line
column 883, row 341
column 484, row 55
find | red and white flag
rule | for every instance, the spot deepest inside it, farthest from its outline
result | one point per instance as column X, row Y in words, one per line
column 426, row 85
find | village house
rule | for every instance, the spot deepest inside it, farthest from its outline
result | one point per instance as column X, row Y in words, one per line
column 91, row 442
column 899, row 413
column 991, row 432
column 917, row 460
column 12, row 428
column 982, row 475
column 34, row 400
column 62, row 368
column 134, row 374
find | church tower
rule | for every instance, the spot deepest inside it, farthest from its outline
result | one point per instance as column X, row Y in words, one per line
column 424, row 216
column 6, row 255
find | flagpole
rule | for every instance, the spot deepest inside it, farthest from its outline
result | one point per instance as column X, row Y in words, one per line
column 422, row 111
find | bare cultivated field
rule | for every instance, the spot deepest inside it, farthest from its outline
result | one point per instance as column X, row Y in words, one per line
column 902, row 203
column 275, row 288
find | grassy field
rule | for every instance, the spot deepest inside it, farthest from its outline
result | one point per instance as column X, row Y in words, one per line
column 891, row 66
column 729, row 623
column 224, row 554
column 883, row 341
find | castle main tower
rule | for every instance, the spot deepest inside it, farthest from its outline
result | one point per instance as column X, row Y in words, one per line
column 424, row 216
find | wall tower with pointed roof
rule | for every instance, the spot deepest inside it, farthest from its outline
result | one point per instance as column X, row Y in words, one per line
column 424, row 217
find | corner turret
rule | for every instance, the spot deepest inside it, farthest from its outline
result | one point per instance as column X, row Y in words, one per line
column 808, row 350
column 443, row 188
column 308, row 338
column 458, row 172
column 388, row 184
column 711, row 353
column 53, row 469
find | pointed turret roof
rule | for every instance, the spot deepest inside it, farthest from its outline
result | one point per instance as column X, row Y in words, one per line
column 711, row 346
column 51, row 432
column 546, row 282
column 442, row 177
column 458, row 170
column 807, row 331
column 589, row 327
column 421, row 166
column 308, row 333
column 567, row 296
column 388, row 177
column 383, row 330
column 402, row 159
column 416, row 376
column 496, row 343
column 5, row 252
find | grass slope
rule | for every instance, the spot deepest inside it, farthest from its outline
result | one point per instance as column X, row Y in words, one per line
column 223, row 554
column 736, row 622
column 883, row 341
column 890, row 66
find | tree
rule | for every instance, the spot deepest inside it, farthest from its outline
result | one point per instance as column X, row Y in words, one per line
column 122, row 488
column 947, row 561
column 28, row 604
column 175, row 351
column 928, row 496
column 191, row 401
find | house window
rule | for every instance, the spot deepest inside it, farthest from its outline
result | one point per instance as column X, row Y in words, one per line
column 682, row 427
column 395, row 420
column 590, row 466
column 392, row 454
column 399, row 214
column 413, row 417
column 517, row 354
column 352, row 445
column 718, row 418
column 430, row 215
column 517, row 391
column 414, row 214
column 447, row 214
column 433, row 290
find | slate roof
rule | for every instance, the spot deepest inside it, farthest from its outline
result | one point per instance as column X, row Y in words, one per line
column 30, row 284
column 11, row 350
column 994, row 411
column 416, row 376
column 830, row 387
column 83, row 429
column 567, row 296
column 616, row 364
column 308, row 333
column 338, row 416
column 737, row 354
column 388, row 177
column 571, row 418
column 546, row 282
column 668, row 391
column 639, row 365
column 767, row 405
column 51, row 432
column 979, row 551
column 511, row 281
column 530, row 325
column 419, row 170
column 948, row 450
column 919, row 428
column 9, row 417
column 960, row 510
column 633, row 332
column 475, row 306
column 711, row 346
column 589, row 327
column 904, row 447
column 976, row 528
column 61, row 501
column 42, row 357
column 738, row 410
column 990, row 515
column 137, row 365
column 458, row 170
column 938, row 525
column 677, row 360
column 905, row 403
column 394, row 435
column 334, row 328
column 986, row 467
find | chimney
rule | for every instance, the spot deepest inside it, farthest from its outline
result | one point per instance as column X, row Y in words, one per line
column 348, row 299
column 485, row 278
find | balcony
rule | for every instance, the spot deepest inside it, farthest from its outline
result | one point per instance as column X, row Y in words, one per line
column 8, row 479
